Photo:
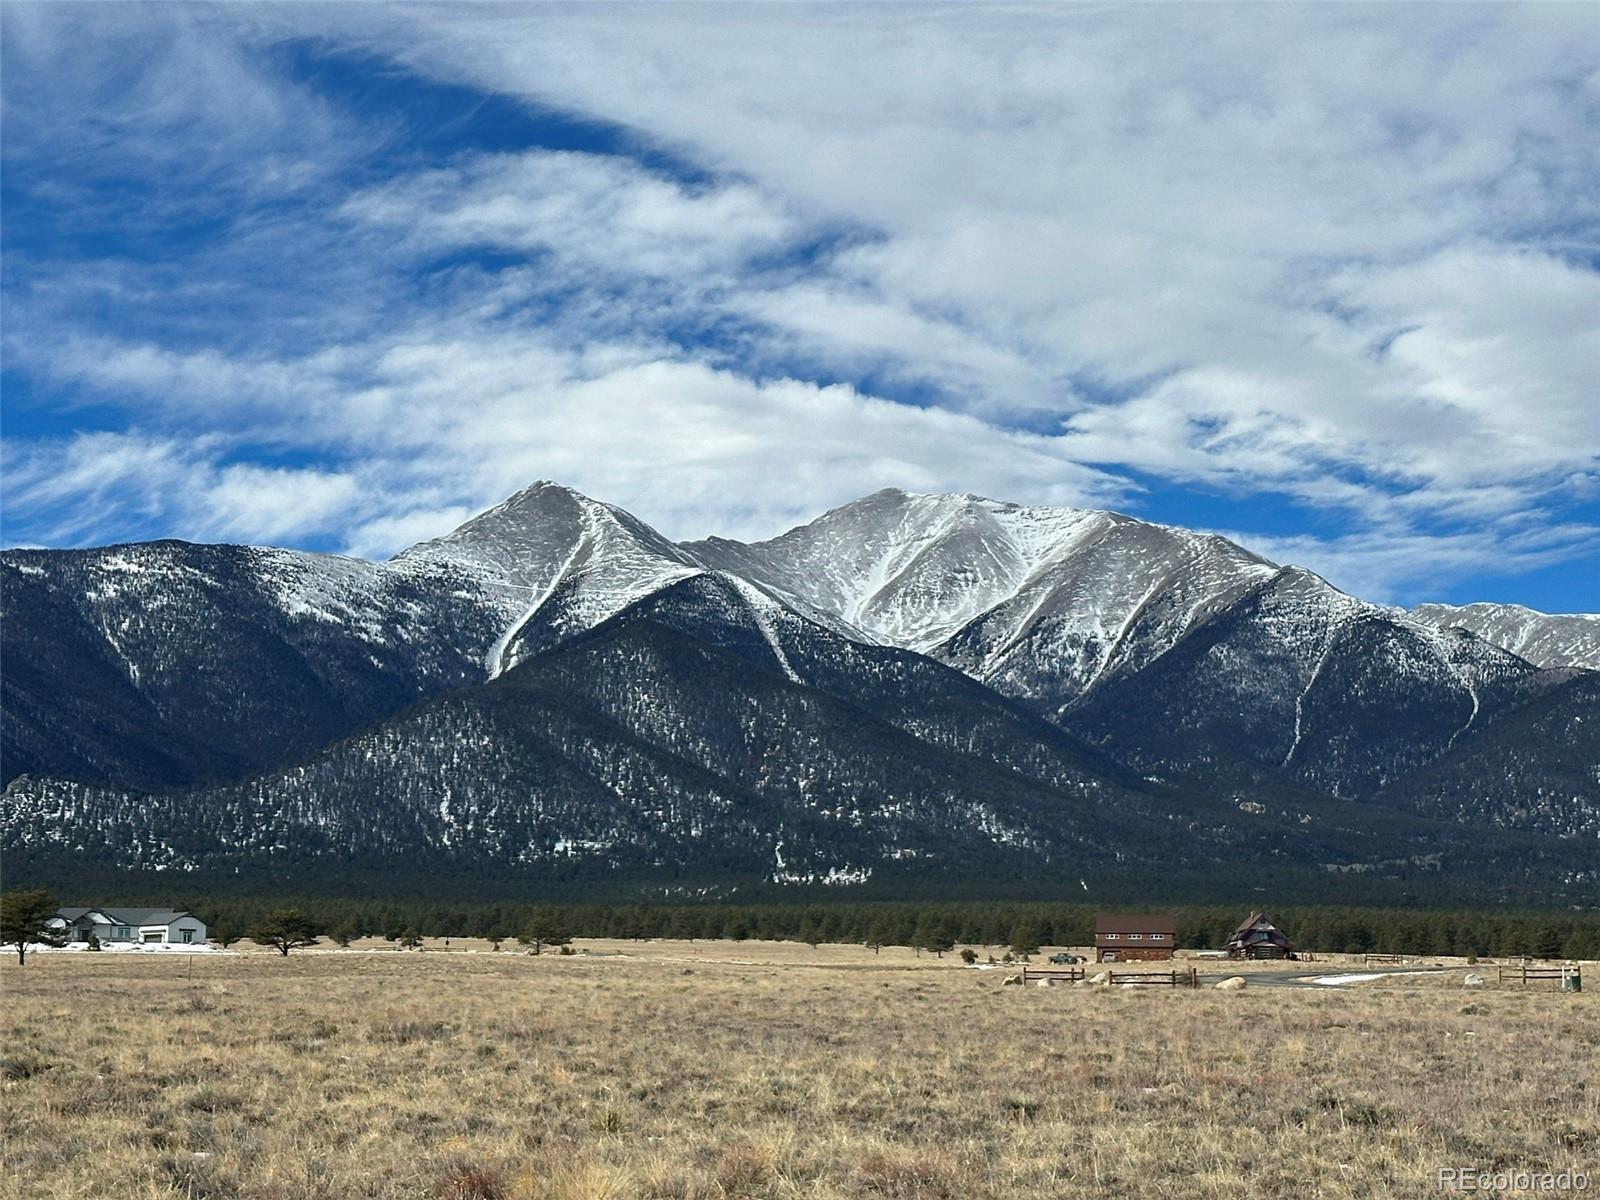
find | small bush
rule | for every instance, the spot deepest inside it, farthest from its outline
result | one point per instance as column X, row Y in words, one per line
column 1019, row 1108
column 208, row 1100
column 22, row 1066
column 903, row 1176
column 401, row 1033
column 745, row 1170
column 464, row 1182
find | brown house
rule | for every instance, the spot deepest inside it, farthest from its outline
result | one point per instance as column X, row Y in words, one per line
column 1135, row 937
column 1259, row 938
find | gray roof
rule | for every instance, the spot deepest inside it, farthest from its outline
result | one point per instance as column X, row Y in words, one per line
column 129, row 916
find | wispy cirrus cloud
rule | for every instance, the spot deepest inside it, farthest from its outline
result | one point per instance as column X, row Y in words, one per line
column 1340, row 256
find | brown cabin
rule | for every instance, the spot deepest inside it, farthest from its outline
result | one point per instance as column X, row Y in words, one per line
column 1134, row 937
column 1259, row 938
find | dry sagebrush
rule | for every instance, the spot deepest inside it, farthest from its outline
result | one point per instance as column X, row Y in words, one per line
column 508, row 1077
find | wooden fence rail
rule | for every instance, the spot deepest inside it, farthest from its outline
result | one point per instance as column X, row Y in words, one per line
column 1189, row 978
column 1051, row 974
column 1522, row 975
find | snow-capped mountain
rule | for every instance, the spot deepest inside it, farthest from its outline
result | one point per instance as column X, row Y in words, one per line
column 1544, row 639
column 561, row 561
column 1075, row 612
column 971, row 580
column 566, row 563
column 893, row 687
column 166, row 663
column 673, row 748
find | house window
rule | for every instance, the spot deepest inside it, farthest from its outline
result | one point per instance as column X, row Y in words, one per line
column 188, row 934
column 122, row 933
column 1134, row 937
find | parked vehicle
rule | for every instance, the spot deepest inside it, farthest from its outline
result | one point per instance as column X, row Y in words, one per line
column 1066, row 959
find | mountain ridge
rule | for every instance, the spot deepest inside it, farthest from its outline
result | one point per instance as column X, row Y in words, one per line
column 1044, row 655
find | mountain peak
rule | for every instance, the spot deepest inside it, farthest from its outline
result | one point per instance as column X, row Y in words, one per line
column 563, row 560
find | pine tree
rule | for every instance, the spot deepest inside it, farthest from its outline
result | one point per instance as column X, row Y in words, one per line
column 939, row 943
column 545, row 930
column 877, row 935
column 923, row 935
column 285, row 930
column 23, row 917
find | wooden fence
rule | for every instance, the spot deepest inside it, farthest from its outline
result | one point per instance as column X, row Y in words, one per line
column 1051, row 974
column 1522, row 974
column 1189, row 978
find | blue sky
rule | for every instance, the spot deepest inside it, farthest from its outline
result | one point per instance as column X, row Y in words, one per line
column 338, row 276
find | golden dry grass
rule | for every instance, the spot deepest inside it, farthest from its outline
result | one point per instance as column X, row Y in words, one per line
column 716, row 1070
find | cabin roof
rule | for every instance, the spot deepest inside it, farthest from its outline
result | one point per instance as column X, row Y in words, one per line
column 1261, row 928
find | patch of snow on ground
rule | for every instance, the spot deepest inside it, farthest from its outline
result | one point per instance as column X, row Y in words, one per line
column 131, row 948
column 1341, row 980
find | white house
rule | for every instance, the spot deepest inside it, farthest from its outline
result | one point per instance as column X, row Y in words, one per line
column 151, row 926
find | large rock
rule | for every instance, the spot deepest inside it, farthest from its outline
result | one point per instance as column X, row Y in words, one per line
column 1103, row 977
column 1011, row 980
column 1472, row 980
column 1236, row 984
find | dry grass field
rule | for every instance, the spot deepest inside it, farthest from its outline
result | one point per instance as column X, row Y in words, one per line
column 757, row 1070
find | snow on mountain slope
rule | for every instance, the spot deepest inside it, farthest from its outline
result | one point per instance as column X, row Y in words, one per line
column 1544, row 639
column 1175, row 652
column 125, row 664
column 168, row 662
column 991, row 587
column 1298, row 679
column 1049, row 604
column 907, row 568
column 571, row 563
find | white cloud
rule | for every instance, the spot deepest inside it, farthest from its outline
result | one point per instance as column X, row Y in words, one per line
column 1332, row 252
column 1404, row 568
column 113, row 486
column 459, row 422
column 585, row 208
column 1117, row 195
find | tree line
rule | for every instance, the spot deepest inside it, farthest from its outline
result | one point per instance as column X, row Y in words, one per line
column 939, row 927
column 936, row 927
